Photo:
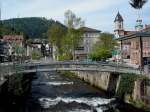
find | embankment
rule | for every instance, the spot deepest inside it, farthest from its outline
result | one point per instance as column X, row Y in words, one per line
column 131, row 88
column 14, row 91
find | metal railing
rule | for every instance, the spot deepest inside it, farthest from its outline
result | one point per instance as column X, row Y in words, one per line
column 6, row 70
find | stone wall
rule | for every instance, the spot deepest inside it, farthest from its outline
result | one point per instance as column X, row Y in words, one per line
column 104, row 80
column 15, row 90
column 111, row 82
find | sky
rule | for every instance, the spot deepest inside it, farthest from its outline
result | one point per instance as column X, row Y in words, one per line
column 98, row 14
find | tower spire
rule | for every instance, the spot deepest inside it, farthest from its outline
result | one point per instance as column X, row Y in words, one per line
column 118, row 23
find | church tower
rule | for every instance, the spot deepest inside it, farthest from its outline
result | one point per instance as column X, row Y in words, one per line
column 119, row 28
column 139, row 26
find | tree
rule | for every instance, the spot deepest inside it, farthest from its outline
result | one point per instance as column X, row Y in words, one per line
column 33, row 27
column 72, row 21
column 55, row 35
column 74, row 33
column 103, row 49
column 107, row 41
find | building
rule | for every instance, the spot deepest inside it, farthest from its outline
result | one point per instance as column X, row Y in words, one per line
column 3, row 51
column 17, row 39
column 134, row 45
column 90, row 37
column 13, row 42
column 118, row 25
column 119, row 30
column 39, row 45
column 8, row 46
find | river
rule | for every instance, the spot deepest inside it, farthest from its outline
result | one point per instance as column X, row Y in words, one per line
column 52, row 92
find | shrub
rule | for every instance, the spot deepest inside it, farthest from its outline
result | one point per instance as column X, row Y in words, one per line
column 36, row 55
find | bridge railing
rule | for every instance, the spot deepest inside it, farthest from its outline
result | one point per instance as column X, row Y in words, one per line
column 84, row 66
column 6, row 70
column 17, row 68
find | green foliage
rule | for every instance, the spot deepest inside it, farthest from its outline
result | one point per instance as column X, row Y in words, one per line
column 64, row 57
column 74, row 34
column 101, row 54
column 126, row 84
column 36, row 55
column 107, row 41
column 6, row 30
column 103, row 49
column 33, row 27
column 19, row 50
column 66, row 41
column 68, row 74
column 71, row 41
column 56, row 35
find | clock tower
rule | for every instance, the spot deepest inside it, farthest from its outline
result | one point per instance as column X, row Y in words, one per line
column 119, row 28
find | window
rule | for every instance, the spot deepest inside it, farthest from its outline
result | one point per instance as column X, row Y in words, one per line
column 120, row 26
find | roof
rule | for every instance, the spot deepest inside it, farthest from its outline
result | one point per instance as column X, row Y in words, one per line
column 118, row 18
column 129, row 32
column 133, row 34
column 146, row 29
column 13, row 37
column 91, row 30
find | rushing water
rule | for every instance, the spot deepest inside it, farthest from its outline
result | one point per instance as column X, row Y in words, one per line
column 52, row 92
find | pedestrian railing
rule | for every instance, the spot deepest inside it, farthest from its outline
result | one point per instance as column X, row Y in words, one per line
column 6, row 70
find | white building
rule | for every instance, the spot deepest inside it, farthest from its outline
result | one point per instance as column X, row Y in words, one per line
column 90, row 37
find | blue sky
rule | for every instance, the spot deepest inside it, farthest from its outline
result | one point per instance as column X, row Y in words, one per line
column 98, row 14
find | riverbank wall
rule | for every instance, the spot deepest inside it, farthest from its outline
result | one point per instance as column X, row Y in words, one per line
column 14, row 90
column 104, row 80
column 129, row 87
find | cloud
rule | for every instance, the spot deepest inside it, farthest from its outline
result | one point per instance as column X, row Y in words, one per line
column 51, row 8
column 97, row 13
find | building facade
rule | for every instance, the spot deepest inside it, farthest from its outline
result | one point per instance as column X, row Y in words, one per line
column 135, row 46
column 3, row 51
column 39, row 45
column 12, row 46
column 90, row 37
column 13, row 42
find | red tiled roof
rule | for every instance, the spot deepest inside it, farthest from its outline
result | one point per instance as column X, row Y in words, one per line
column 13, row 37
column 129, row 32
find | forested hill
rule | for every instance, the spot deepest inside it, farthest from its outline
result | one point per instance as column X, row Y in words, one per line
column 33, row 27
